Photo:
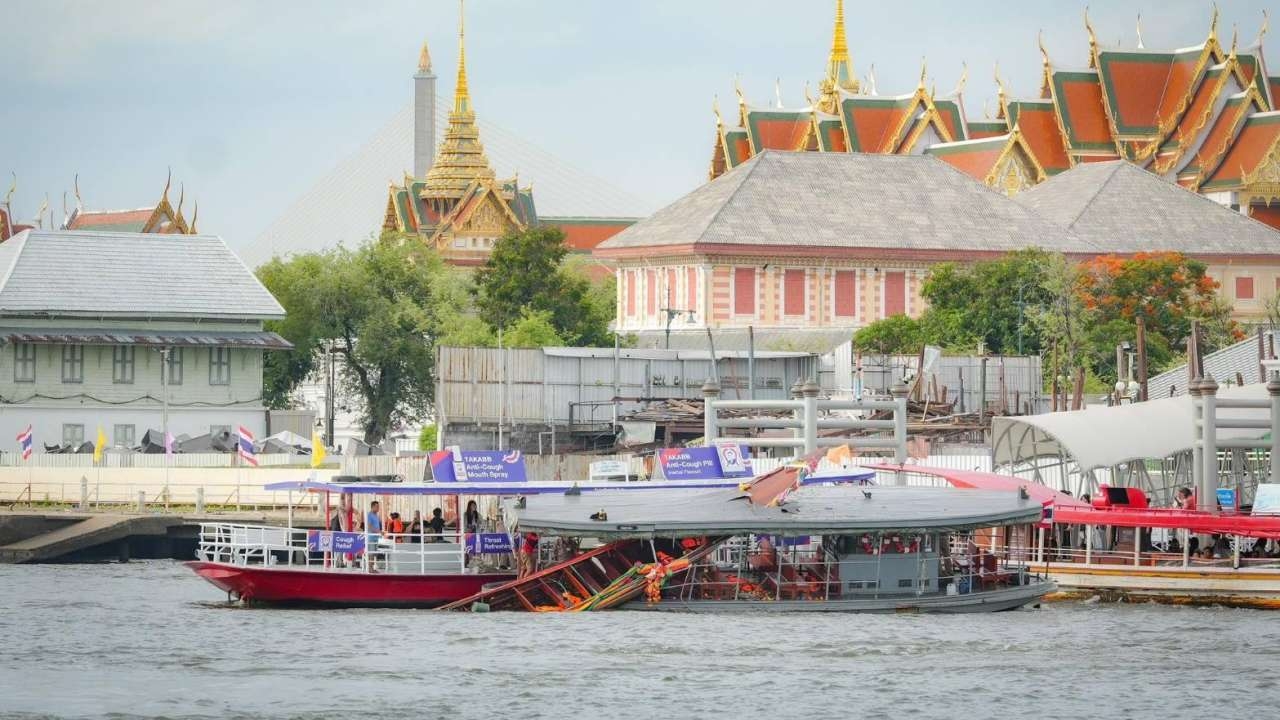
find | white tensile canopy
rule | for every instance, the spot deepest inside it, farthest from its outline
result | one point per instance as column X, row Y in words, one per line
column 1108, row 436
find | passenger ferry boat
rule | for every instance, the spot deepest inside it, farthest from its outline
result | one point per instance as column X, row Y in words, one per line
column 288, row 565
column 1118, row 548
column 775, row 545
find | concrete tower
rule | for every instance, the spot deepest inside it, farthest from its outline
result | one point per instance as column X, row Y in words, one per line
column 424, row 115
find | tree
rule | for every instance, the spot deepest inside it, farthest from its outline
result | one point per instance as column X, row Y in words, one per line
column 894, row 335
column 379, row 307
column 527, row 271
column 532, row 330
column 989, row 299
column 427, row 438
column 1168, row 290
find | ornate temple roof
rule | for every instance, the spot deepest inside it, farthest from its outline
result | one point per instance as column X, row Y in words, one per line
column 163, row 217
column 1175, row 112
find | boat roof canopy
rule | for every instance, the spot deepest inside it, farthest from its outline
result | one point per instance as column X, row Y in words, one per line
column 817, row 509
column 512, row 489
column 1100, row 437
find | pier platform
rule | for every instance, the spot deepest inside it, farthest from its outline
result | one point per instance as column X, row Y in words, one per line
column 33, row 537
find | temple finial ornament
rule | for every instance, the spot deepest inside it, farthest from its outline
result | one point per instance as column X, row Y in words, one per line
column 715, row 108
column 13, row 187
column 424, row 59
column 1266, row 23
column 1093, row 38
column 164, row 196
column 777, row 92
column 182, row 196
column 1235, row 38
column 871, row 79
column 195, row 215
column 75, row 184
column 924, row 71
column 808, row 97
column 1213, row 23
column 1139, row 29
column 964, row 78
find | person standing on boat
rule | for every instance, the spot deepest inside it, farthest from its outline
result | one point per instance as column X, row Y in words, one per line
column 373, row 521
column 471, row 518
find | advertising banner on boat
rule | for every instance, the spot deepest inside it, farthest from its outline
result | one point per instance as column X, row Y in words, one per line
column 455, row 465
column 338, row 542
column 728, row 460
column 488, row 543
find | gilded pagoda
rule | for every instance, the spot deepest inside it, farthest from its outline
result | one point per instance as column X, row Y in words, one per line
column 1204, row 117
column 460, row 206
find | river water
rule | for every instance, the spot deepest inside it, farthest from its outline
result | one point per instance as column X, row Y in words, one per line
column 149, row 639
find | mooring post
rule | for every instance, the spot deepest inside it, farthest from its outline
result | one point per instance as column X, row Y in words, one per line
column 810, row 392
column 1209, row 481
column 797, row 393
column 200, row 500
column 142, row 500
column 710, row 392
column 899, row 392
column 84, row 493
column 1197, row 427
column 1273, row 389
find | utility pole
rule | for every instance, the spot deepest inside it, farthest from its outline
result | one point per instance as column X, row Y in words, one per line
column 328, row 398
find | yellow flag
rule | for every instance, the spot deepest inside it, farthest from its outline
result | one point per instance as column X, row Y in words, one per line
column 317, row 450
column 100, row 445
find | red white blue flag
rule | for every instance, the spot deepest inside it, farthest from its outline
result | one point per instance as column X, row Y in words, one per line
column 245, row 446
column 24, row 442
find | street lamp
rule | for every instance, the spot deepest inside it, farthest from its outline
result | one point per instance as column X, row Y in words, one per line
column 671, row 314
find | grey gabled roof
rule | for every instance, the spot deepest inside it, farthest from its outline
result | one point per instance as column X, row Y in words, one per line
column 1222, row 365
column 1124, row 209
column 62, row 273
column 853, row 200
column 815, row 508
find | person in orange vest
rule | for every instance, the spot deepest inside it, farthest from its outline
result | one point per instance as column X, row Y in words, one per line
column 395, row 526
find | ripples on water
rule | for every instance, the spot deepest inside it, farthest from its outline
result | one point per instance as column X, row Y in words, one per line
column 150, row 639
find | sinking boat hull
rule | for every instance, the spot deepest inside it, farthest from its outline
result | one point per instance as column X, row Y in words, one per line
column 285, row 586
column 1248, row 588
column 997, row 600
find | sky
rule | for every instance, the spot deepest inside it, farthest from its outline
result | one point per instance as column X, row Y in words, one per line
column 251, row 102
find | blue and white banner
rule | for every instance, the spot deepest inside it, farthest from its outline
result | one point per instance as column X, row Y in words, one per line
column 468, row 466
column 488, row 543
column 337, row 542
column 705, row 463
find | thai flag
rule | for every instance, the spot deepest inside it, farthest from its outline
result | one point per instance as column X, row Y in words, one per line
column 245, row 446
column 24, row 441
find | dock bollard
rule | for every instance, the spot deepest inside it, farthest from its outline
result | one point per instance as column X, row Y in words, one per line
column 200, row 500
column 84, row 493
column 142, row 500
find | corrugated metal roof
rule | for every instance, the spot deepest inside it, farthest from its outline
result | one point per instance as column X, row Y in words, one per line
column 263, row 340
column 1223, row 365
column 60, row 273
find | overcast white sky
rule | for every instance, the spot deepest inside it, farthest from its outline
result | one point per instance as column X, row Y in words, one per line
column 250, row 102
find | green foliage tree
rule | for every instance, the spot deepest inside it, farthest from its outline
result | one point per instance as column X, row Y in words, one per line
column 532, row 330
column 527, row 271
column 379, row 307
column 988, row 299
column 427, row 438
column 894, row 335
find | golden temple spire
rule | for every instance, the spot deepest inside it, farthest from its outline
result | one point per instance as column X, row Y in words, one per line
column 839, row 67
column 461, row 159
column 461, row 94
column 1139, row 29
column 424, row 59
